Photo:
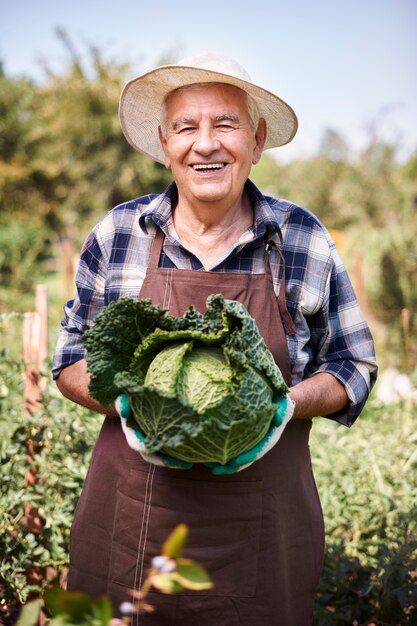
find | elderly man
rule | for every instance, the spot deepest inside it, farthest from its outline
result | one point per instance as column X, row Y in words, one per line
column 259, row 532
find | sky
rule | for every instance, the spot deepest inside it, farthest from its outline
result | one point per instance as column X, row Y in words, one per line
column 346, row 66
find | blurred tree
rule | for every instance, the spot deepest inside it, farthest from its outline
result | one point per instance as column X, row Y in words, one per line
column 309, row 182
column 333, row 146
column 63, row 153
column 390, row 257
column 64, row 163
column 372, row 198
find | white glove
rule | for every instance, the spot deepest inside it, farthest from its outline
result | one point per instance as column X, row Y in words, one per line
column 136, row 439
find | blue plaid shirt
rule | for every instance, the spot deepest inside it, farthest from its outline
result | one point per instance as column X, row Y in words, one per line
column 331, row 333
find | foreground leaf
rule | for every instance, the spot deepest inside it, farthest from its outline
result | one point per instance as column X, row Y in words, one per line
column 173, row 545
column 29, row 615
column 192, row 576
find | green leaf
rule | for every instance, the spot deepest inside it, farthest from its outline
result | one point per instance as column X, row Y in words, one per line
column 113, row 339
column 166, row 583
column 173, row 545
column 200, row 387
column 103, row 610
column 77, row 608
column 29, row 615
column 192, row 576
column 74, row 604
column 60, row 620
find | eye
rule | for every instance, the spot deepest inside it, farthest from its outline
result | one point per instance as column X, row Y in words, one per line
column 186, row 129
column 225, row 126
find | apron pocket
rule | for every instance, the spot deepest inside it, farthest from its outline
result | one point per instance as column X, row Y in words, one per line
column 224, row 519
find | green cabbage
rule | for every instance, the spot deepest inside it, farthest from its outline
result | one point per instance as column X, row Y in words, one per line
column 201, row 387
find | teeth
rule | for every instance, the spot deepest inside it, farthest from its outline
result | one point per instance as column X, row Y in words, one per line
column 208, row 166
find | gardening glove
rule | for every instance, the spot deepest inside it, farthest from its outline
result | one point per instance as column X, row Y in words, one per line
column 136, row 439
column 285, row 410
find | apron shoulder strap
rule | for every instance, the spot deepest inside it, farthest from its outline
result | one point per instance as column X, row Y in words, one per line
column 286, row 317
column 156, row 249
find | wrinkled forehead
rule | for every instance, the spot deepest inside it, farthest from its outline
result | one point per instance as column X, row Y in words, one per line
column 212, row 99
column 200, row 93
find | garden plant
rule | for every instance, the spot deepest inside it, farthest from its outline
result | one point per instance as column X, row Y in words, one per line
column 366, row 477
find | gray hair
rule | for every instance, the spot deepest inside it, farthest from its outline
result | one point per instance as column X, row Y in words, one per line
column 252, row 107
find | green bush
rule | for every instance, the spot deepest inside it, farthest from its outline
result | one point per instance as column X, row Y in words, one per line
column 23, row 247
column 365, row 476
column 61, row 435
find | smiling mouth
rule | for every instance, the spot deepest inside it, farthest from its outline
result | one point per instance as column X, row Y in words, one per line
column 208, row 167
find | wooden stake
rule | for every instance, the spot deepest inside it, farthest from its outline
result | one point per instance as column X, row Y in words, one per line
column 35, row 353
column 31, row 333
column 41, row 303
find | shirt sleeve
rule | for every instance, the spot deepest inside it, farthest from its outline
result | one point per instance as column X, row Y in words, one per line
column 341, row 343
column 80, row 312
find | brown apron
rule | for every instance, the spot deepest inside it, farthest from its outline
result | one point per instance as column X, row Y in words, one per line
column 259, row 533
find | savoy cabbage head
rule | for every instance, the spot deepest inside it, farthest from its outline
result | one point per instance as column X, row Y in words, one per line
column 201, row 387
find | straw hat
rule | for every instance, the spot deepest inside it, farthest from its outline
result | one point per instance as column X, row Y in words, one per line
column 142, row 99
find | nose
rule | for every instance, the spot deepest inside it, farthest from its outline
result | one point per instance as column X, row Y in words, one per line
column 206, row 140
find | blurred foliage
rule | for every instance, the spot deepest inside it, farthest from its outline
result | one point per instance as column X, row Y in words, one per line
column 366, row 478
column 369, row 204
column 64, row 163
column 169, row 573
column 61, row 436
column 23, row 249
column 63, row 159
column 68, row 609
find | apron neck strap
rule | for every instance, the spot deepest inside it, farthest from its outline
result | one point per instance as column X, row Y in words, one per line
column 269, row 243
column 156, row 248
column 282, row 304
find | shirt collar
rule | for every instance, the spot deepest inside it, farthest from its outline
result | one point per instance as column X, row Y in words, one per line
column 159, row 211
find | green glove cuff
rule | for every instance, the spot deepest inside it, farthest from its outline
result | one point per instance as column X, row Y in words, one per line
column 123, row 406
column 281, row 411
column 221, row 470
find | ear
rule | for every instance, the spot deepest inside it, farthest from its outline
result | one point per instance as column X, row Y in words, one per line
column 164, row 148
column 260, row 139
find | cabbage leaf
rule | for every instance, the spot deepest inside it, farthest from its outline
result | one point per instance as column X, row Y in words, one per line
column 201, row 386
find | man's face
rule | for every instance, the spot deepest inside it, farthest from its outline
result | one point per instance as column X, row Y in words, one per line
column 210, row 144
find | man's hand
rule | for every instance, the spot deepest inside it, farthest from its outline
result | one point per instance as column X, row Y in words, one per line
column 73, row 382
column 318, row 396
column 136, row 440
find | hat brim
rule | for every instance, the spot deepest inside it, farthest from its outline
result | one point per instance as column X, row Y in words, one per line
column 142, row 99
